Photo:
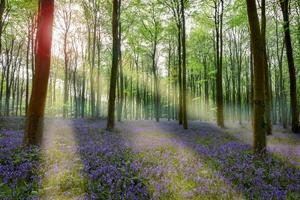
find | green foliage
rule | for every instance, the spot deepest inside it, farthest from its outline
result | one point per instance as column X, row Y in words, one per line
column 238, row 13
column 21, row 5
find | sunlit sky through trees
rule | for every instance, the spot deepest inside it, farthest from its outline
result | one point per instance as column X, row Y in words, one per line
column 78, row 31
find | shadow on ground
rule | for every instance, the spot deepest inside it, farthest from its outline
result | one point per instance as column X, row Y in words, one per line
column 140, row 160
column 108, row 166
column 213, row 164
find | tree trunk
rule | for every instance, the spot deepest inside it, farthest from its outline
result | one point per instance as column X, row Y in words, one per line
column 266, row 67
column 121, row 80
column 35, row 115
column 114, row 69
column 279, row 55
column 179, row 36
column 92, row 70
column 66, row 68
column 290, row 58
column 2, row 13
column 219, row 59
column 258, row 75
column 184, row 88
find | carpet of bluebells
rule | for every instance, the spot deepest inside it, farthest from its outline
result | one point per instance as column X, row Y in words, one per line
column 140, row 160
column 19, row 166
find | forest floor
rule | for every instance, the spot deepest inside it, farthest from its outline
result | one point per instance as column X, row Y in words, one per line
column 79, row 159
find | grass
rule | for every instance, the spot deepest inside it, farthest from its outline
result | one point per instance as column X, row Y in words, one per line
column 283, row 140
column 156, row 134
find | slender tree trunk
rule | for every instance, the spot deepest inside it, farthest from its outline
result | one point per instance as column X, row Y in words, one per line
column 66, row 68
column 121, row 80
column 99, row 91
column 290, row 58
column 2, row 16
column 184, row 87
column 179, row 36
column 251, row 63
column 114, row 69
column 219, row 59
column 33, row 45
column 137, row 97
column 169, row 81
column 27, row 69
column 267, row 88
column 206, row 86
column 2, row 11
column 82, row 101
column 21, row 96
column 279, row 54
column 7, row 88
column 92, row 70
column 156, row 83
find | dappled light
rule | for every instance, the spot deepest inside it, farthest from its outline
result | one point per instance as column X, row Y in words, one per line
column 149, row 100
column 61, row 170
column 144, row 160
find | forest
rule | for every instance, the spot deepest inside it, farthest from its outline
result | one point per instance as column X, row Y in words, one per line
column 149, row 99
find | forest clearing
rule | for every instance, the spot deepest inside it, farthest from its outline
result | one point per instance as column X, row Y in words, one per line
column 149, row 99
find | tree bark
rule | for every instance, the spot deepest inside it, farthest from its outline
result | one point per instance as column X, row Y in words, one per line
column 35, row 115
column 184, row 88
column 258, row 76
column 266, row 67
column 290, row 58
column 219, row 62
column 114, row 69
column 121, row 79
